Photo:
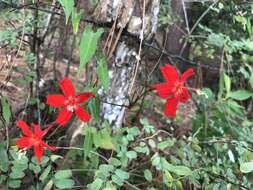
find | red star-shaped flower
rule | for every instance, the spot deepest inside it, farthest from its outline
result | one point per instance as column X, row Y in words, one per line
column 173, row 90
column 69, row 103
column 34, row 139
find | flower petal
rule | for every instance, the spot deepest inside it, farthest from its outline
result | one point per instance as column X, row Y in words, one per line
column 187, row 74
column 51, row 148
column 55, row 100
column 45, row 131
column 67, row 87
column 37, row 131
column 24, row 127
column 169, row 73
column 83, row 97
column 171, row 107
column 184, row 96
column 164, row 90
column 63, row 117
column 82, row 114
column 38, row 151
column 24, row 142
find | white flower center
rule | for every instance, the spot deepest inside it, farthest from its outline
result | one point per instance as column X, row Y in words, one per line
column 71, row 108
column 71, row 104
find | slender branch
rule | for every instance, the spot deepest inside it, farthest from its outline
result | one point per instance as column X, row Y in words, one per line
column 179, row 57
column 81, row 149
column 135, row 37
column 217, row 176
column 140, row 47
column 203, row 15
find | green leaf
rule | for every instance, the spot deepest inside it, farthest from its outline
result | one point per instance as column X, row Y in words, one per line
column 94, row 107
column 96, row 185
column 246, row 167
column 88, row 142
column 115, row 162
column 55, row 157
column 179, row 170
column 117, row 180
column 88, row 45
column 131, row 154
column 68, row 6
column 165, row 144
column 17, row 174
column 63, row 174
column 19, row 166
column 103, row 139
column 251, row 80
column 103, row 74
column 18, row 157
column 110, row 187
column 240, row 95
column 49, row 185
column 122, row 174
column 4, row 163
column 156, row 160
column 182, row 170
column 227, row 81
column 64, row 183
column 148, row 175
column 104, row 171
column 207, row 92
column 14, row 183
column 44, row 160
column 6, row 109
column 168, row 179
column 76, row 17
column 151, row 143
column 147, row 127
column 35, row 168
column 216, row 39
column 45, row 173
column 2, row 178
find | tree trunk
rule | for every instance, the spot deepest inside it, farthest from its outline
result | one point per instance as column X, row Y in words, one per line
column 122, row 54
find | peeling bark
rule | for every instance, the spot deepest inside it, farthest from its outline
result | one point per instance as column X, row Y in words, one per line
column 126, row 15
column 120, row 78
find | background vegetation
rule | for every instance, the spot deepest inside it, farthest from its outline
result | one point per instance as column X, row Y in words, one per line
column 209, row 145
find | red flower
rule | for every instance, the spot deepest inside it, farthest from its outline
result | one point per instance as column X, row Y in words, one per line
column 70, row 103
column 31, row 138
column 173, row 89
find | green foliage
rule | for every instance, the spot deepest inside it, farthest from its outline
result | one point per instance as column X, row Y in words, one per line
column 4, row 164
column 240, row 95
column 62, row 179
column 63, row 174
column 6, row 109
column 68, row 7
column 88, row 45
column 100, row 139
column 94, row 107
column 64, row 183
column 216, row 154
column 88, row 141
column 103, row 74
column 76, row 17
column 246, row 167
column 227, row 81
column 96, row 185
column 103, row 139
column 166, row 17
column 148, row 175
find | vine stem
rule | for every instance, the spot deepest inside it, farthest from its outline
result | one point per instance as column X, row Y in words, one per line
column 197, row 23
column 82, row 149
column 140, row 47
